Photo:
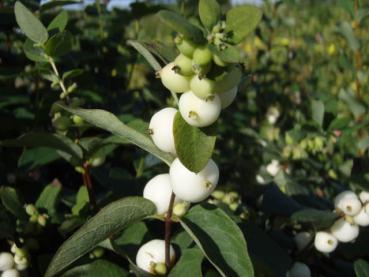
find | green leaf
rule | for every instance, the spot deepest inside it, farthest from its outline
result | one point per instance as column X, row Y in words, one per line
column 145, row 53
column 109, row 122
column 72, row 73
column 97, row 268
column 82, row 200
column 108, row 221
column 210, row 12
column 345, row 29
column 32, row 52
column 361, row 268
column 59, row 22
column 182, row 26
column 230, row 54
column 194, row 146
column 356, row 108
column 12, row 202
column 317, row 111
column 30, row 25
column 55, row 141
column 319, row 219
column 241, row 21
column 220, row 239
column 37, row 157
column 56, row 3
column 49, row 197
column 190, row 259
column 59, row 44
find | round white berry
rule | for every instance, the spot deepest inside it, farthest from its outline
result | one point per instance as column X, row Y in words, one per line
column 152, row 253
column 161, row 129
column 227, row 97
column 172, row 80
column 302, row 240
column 159, row 191
column 325, row 242
column 10, row 273
column 364, row 196
column 348, row 203
column 6, row 261
column 299, row 269
column 344, row 231
column 198, row 112
column 362, row 218
column 190, row 186
column 273, row 167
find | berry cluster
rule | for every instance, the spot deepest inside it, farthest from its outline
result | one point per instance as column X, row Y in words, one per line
column 354, row 212
column 208, row 84
column 11, row 264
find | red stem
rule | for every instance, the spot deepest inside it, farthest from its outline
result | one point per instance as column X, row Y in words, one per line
column 88, row 183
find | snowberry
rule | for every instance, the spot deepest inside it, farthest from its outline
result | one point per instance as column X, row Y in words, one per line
column 302, row 240
column 202, row 55
column 198, row 112
column 273, row 115
column 325, row 242
column 184, row 64
column 348, row 203
column 273, row 167
column 364, row 196
column 227, row 97
column 344, row 231
column 186, row 47
column 362, row 218
column 151, row 256
column 299, row 269
column 10, row 273
column 218, row 61
column 161, row 129
column 202, row 87
column 159, row 191
column 6, row 261
column 97, row 160
column 190, row 186
column 172, row 80
column 229, row 80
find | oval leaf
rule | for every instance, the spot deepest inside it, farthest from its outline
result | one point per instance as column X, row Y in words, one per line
column 229, row 55
column 59, row 44
column 12, row 202
column 32, row 52
column 97, row 268
column 182, row 26
column 109, row 122
column 220, row 239
column 145, row 53
column 320, row 219
column 209, row 11
column 59, row 22
column 194, row 146
column 361, row 268
column 110, row 220
column 241, row 21
column 30, row 25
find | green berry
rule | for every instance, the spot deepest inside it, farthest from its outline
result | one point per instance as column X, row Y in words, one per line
column 186, row 47
column 202, row 87
column 202, row 56
column 184, row 65
column 218, row 61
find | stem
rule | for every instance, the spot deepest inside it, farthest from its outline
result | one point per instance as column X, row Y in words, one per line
column 88, row 183
column 60, row 80
column 175, row 97
column 168, row 231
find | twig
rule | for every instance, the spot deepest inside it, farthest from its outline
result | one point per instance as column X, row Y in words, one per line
column 168, row 231
column 88, row 183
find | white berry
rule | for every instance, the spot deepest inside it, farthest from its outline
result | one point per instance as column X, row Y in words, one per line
column 362, row 218
column 198, row 112
column 348, row 203
column 172, row 80
column 302, row 240
column 273, row 167
column 10, row 273
column 190, row 186
column 161, row 129
column 299, row 269
column 325, row 242
column 344, row 231
column 152, row 253
column 364, row 196
column 227, row 97
column 159, row 191
column 6, row 261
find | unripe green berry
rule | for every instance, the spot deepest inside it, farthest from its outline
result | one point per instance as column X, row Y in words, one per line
column 62, row 123
column 184, row 65
column 97, row 160
column 160, row 269
column 172, row 80
column 202, row 87
column 186, row 47
column 31, row 209
column 202, row 55
column 218, row 61
column 77, row 120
